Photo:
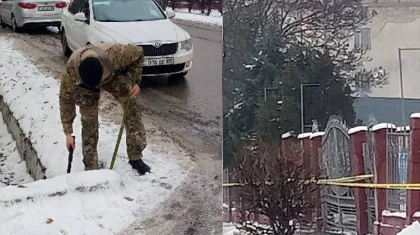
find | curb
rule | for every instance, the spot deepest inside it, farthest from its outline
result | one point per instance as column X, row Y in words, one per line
column 54, row 193
column 23, row 143
column 201, row 25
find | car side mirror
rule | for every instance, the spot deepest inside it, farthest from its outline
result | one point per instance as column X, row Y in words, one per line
column 80, row 17
column 170, row 13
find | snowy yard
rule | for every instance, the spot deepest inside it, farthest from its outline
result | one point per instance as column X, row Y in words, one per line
column 125, row 196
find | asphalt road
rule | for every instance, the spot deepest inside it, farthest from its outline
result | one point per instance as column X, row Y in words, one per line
column 192, row 108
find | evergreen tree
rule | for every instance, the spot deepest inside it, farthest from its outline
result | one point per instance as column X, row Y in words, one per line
column 285, row 44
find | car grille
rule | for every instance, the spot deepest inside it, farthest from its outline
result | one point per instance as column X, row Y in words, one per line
column 148, row 70
column 163, row 50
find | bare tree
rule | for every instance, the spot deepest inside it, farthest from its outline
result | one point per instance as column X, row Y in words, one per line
column 274, row 185
column 190, row 5
column 174, row 4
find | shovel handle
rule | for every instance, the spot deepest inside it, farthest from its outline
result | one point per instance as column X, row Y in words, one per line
column 70, row 158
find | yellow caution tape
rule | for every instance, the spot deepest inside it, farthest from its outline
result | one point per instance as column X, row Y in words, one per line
column 412, row 186
column 348, row 179
column 322, row 181
column 352, row 182
column 231, row 184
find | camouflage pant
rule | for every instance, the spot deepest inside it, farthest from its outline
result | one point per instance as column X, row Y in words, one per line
column 88, row 102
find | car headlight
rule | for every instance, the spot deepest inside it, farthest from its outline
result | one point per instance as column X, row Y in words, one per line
column 186, row 45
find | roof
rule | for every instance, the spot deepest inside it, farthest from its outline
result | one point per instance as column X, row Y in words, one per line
column 385, row 109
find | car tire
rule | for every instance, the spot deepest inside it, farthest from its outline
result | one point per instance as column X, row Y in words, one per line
column 15, row 28
column 2, row 24
column 66, row 49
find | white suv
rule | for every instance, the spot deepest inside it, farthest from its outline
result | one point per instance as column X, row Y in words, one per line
column 168, row 49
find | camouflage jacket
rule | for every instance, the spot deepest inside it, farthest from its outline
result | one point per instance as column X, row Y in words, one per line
column 120, row 56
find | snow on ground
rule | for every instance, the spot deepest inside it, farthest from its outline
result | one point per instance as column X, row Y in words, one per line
column 98, row 212
column 12, row 168
column 413, row 229
column 33, row 98
column 53, row 29
column 214, row 18
column 229, row 229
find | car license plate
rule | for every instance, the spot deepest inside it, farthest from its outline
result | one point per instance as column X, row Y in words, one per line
column 45, row 8
column 157, row 62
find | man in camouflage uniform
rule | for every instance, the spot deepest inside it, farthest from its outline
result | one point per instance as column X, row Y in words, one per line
column 108, row 67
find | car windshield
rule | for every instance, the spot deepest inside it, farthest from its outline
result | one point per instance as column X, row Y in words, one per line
column 126, row 10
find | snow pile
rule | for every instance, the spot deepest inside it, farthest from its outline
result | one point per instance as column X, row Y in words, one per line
column 230, row 229
column 393, row 214
column 12, row 168
column 56, row 206
column 214, row 18
column 413, row 229
column 33, row 98
column 53, row 29
column 76, row 182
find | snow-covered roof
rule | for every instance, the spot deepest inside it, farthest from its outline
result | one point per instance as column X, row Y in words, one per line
column 316, row 134
column 383, row 126
column 304, row 135
column 357, row 129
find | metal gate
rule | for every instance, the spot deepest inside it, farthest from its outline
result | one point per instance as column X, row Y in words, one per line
column 398, row 143
column 338, row 203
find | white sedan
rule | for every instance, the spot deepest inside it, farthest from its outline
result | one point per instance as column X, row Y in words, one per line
column 168, row 48
column 31, row 13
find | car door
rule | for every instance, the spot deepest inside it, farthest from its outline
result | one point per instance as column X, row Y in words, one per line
column 6, row 11
column 81, row 28
column 2, row 9
column 70, row 23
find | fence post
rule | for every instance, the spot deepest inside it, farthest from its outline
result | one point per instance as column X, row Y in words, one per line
column 287, row 143
column 315, row 145
column 413, row 167
column 305, row 155
column 357, row 138
column 380, row 165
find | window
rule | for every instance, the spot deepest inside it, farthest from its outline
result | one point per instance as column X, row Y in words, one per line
column 85, row 8
column 362, row 39
column 76, row 6
column 126, row 10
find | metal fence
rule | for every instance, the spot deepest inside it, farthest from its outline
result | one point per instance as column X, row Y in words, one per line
column 369, row 169
column 398, row 142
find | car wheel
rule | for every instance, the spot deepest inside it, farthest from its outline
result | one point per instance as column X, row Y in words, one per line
column 2, row 24
column 66, row 49
column 15, row 28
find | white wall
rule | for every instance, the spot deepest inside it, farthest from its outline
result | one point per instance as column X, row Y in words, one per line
column 392, row 28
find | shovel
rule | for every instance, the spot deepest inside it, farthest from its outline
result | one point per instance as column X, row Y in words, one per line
column 70, row 158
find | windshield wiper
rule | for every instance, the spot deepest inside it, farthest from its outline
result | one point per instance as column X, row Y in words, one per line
column 110, row 21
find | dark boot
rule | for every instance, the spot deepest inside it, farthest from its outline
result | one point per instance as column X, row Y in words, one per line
column 141, row 167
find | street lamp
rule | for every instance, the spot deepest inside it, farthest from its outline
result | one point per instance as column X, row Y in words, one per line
column 302, row 120
column 401, row 81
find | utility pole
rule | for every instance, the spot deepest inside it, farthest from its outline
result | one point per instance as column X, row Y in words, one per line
column 302, row 107
column 400, row 50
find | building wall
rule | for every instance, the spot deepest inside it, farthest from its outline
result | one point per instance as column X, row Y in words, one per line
column 396, row 25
